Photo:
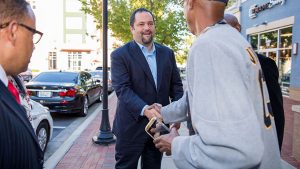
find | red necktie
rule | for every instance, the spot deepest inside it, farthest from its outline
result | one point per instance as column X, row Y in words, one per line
column 13, row 91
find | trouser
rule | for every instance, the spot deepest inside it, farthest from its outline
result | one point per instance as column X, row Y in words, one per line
column 128, row 154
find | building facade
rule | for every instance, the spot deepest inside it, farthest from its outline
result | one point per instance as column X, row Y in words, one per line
column 273, row 29
column 70, row 41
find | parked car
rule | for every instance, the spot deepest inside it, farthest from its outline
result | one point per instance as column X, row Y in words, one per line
column 101, row 68
column 27, row 75
column 42, row 123
column 38, row 115
column 98, row 75
column 65, row 92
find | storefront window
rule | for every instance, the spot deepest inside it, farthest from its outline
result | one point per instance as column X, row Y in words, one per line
column 285, row 61
column 263, row 53
column 286, row 37
column 272, row 55
column 280, row 53
column 268, row 40
column 254, row 41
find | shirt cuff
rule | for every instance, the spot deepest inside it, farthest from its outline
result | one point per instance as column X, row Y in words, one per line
column 142, row 113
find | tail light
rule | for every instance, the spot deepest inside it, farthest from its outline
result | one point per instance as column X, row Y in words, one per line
column 68, row 93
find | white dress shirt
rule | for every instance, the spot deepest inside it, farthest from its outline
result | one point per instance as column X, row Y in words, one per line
column 3, row 76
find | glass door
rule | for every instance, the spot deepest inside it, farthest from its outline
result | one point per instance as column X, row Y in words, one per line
column 271, row 53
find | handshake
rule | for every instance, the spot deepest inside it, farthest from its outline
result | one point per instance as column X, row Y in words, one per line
column 162, row 142
column 154, row 110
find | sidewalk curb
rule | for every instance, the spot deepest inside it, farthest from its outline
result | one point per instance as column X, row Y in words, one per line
column 54, row 159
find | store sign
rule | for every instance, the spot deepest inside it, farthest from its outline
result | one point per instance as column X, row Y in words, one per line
column 255, row 9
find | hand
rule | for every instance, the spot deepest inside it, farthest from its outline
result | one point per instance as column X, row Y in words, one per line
column 175, row 125
column 157, row 106
column 164, row 142
column 150, row 112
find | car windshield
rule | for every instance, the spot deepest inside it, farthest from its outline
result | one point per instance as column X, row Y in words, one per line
column 97, row 73
column 64, row 77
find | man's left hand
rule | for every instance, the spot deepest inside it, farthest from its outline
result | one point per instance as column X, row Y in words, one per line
column 164, row 142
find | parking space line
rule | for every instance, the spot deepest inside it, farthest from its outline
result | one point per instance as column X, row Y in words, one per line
column 59, row 127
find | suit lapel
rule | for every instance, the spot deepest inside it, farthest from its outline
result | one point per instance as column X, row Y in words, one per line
column 140, row 58
column 159, row 64
column 16, row 110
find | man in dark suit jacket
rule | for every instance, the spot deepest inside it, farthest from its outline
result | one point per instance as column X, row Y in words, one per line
column 19, row 147
column 271, row 75
column 143, row 73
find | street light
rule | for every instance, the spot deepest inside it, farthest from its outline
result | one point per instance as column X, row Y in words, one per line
column 105, row 135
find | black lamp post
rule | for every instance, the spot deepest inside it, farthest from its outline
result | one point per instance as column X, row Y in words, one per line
column 105, row 135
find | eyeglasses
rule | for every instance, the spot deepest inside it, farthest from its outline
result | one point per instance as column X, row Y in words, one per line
column 37, row 35
column 4, row 25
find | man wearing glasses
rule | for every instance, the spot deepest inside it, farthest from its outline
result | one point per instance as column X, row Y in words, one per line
column 227, row 98
column 19, row 147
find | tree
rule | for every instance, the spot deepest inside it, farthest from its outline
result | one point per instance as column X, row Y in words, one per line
column 169, row 19
column 230, row 3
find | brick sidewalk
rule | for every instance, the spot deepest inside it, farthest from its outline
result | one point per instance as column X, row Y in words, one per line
column 84, row 154
column 286, row 152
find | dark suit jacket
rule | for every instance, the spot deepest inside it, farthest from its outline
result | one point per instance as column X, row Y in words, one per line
column 19, row 147
column 135, row 87
column 271, row 75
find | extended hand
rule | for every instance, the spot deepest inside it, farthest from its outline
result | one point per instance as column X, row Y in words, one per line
column 164, row 142
column 157, row 106
column 151, row 112
column 175, row 125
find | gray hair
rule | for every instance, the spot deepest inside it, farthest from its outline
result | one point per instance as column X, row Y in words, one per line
column 12, row 10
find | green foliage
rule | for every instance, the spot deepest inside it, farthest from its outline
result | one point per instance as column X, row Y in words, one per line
column 182, row 54
column 94, row 8
column 230, row 3
column 169, row 19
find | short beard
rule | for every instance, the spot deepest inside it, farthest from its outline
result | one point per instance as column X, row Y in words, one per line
column 147, row 41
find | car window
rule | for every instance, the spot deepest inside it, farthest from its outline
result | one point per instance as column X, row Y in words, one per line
column 89, row 80
column 82, row 78
column 99, row 74
column 96, row 73
column 65, row 77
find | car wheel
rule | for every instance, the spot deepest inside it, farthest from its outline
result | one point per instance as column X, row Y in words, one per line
column 43, row 134
column 85, row 107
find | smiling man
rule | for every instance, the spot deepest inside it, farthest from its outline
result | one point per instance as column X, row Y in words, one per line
column 19, row 147
column 143, row 73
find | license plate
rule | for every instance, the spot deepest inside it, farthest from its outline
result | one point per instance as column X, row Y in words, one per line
column 44, row 94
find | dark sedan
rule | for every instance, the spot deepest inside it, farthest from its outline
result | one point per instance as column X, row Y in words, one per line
column 98, row 75
column 65, row 92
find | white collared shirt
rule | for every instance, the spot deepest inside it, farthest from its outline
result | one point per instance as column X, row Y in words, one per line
column 3, row 76
column 150, row 57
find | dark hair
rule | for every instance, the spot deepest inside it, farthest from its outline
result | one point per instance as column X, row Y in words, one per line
column 12, row 9
column 139, row 10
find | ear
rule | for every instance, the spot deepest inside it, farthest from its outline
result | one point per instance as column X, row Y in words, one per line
column 131, row 28
column 12, row 31
column 239, row 27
